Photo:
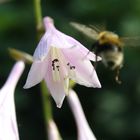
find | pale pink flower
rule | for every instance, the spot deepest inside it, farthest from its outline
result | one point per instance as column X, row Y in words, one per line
column 84, row 130
column 53, row 133
column 8, row 123
column 58, row 58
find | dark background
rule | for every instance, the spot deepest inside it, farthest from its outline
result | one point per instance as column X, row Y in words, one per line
column 113, row 112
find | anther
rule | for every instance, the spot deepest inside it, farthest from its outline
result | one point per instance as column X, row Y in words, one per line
column 55, row 60
column 72, row 67
column 58, row 67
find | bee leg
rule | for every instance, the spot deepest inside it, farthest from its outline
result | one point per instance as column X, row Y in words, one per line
column 117, row 79
column 94, row 46
column 95, row 63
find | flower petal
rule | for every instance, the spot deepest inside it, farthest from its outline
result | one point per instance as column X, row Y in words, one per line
column 8, row 123
column 84, row 130
column 59, row 40
column 85, row 73
column 58, row 87
column 56, row 90
column 81, row 50
column 43, row 47
column 11, row 81
column 53, row 133
column 36, row 73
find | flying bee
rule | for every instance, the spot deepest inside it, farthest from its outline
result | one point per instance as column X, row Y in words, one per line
column 108, row 45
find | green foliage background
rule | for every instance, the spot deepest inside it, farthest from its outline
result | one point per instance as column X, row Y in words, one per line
column 113, row 112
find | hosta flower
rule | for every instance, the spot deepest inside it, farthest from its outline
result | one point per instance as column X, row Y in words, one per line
column 84, row 131
column 8, row 124
column 58, row 58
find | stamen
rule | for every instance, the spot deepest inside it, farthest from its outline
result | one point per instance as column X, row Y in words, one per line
column 58, row 67
column 71, row 69
column 55, row 64
column 55, row 60
column 60, row 72
column 66, row 85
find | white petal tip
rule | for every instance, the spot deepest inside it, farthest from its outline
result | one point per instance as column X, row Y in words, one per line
column 59, row 105
column 26, row 86
column 21, row 64
column 59, row 100
column 97, row 85
column 99, row 58
column 29, row 85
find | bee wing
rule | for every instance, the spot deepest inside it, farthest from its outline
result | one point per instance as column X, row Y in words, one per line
column 89, row 32
column 98, row 27
column 131, row 41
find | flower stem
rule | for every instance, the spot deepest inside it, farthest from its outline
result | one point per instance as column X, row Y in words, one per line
column 38, row 16
column 46, row 102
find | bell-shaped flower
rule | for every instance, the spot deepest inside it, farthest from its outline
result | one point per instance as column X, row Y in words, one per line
column 84, row 131
column 58, row 58
column 8, row 123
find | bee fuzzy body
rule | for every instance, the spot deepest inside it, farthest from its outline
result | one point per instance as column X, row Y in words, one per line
column 109, row 47
column 112, row 55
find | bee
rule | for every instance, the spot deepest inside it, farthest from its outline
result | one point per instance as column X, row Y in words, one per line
column 108, row 45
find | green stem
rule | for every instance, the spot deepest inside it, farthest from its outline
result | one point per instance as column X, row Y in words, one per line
column 38, row 16
column 46, row 102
